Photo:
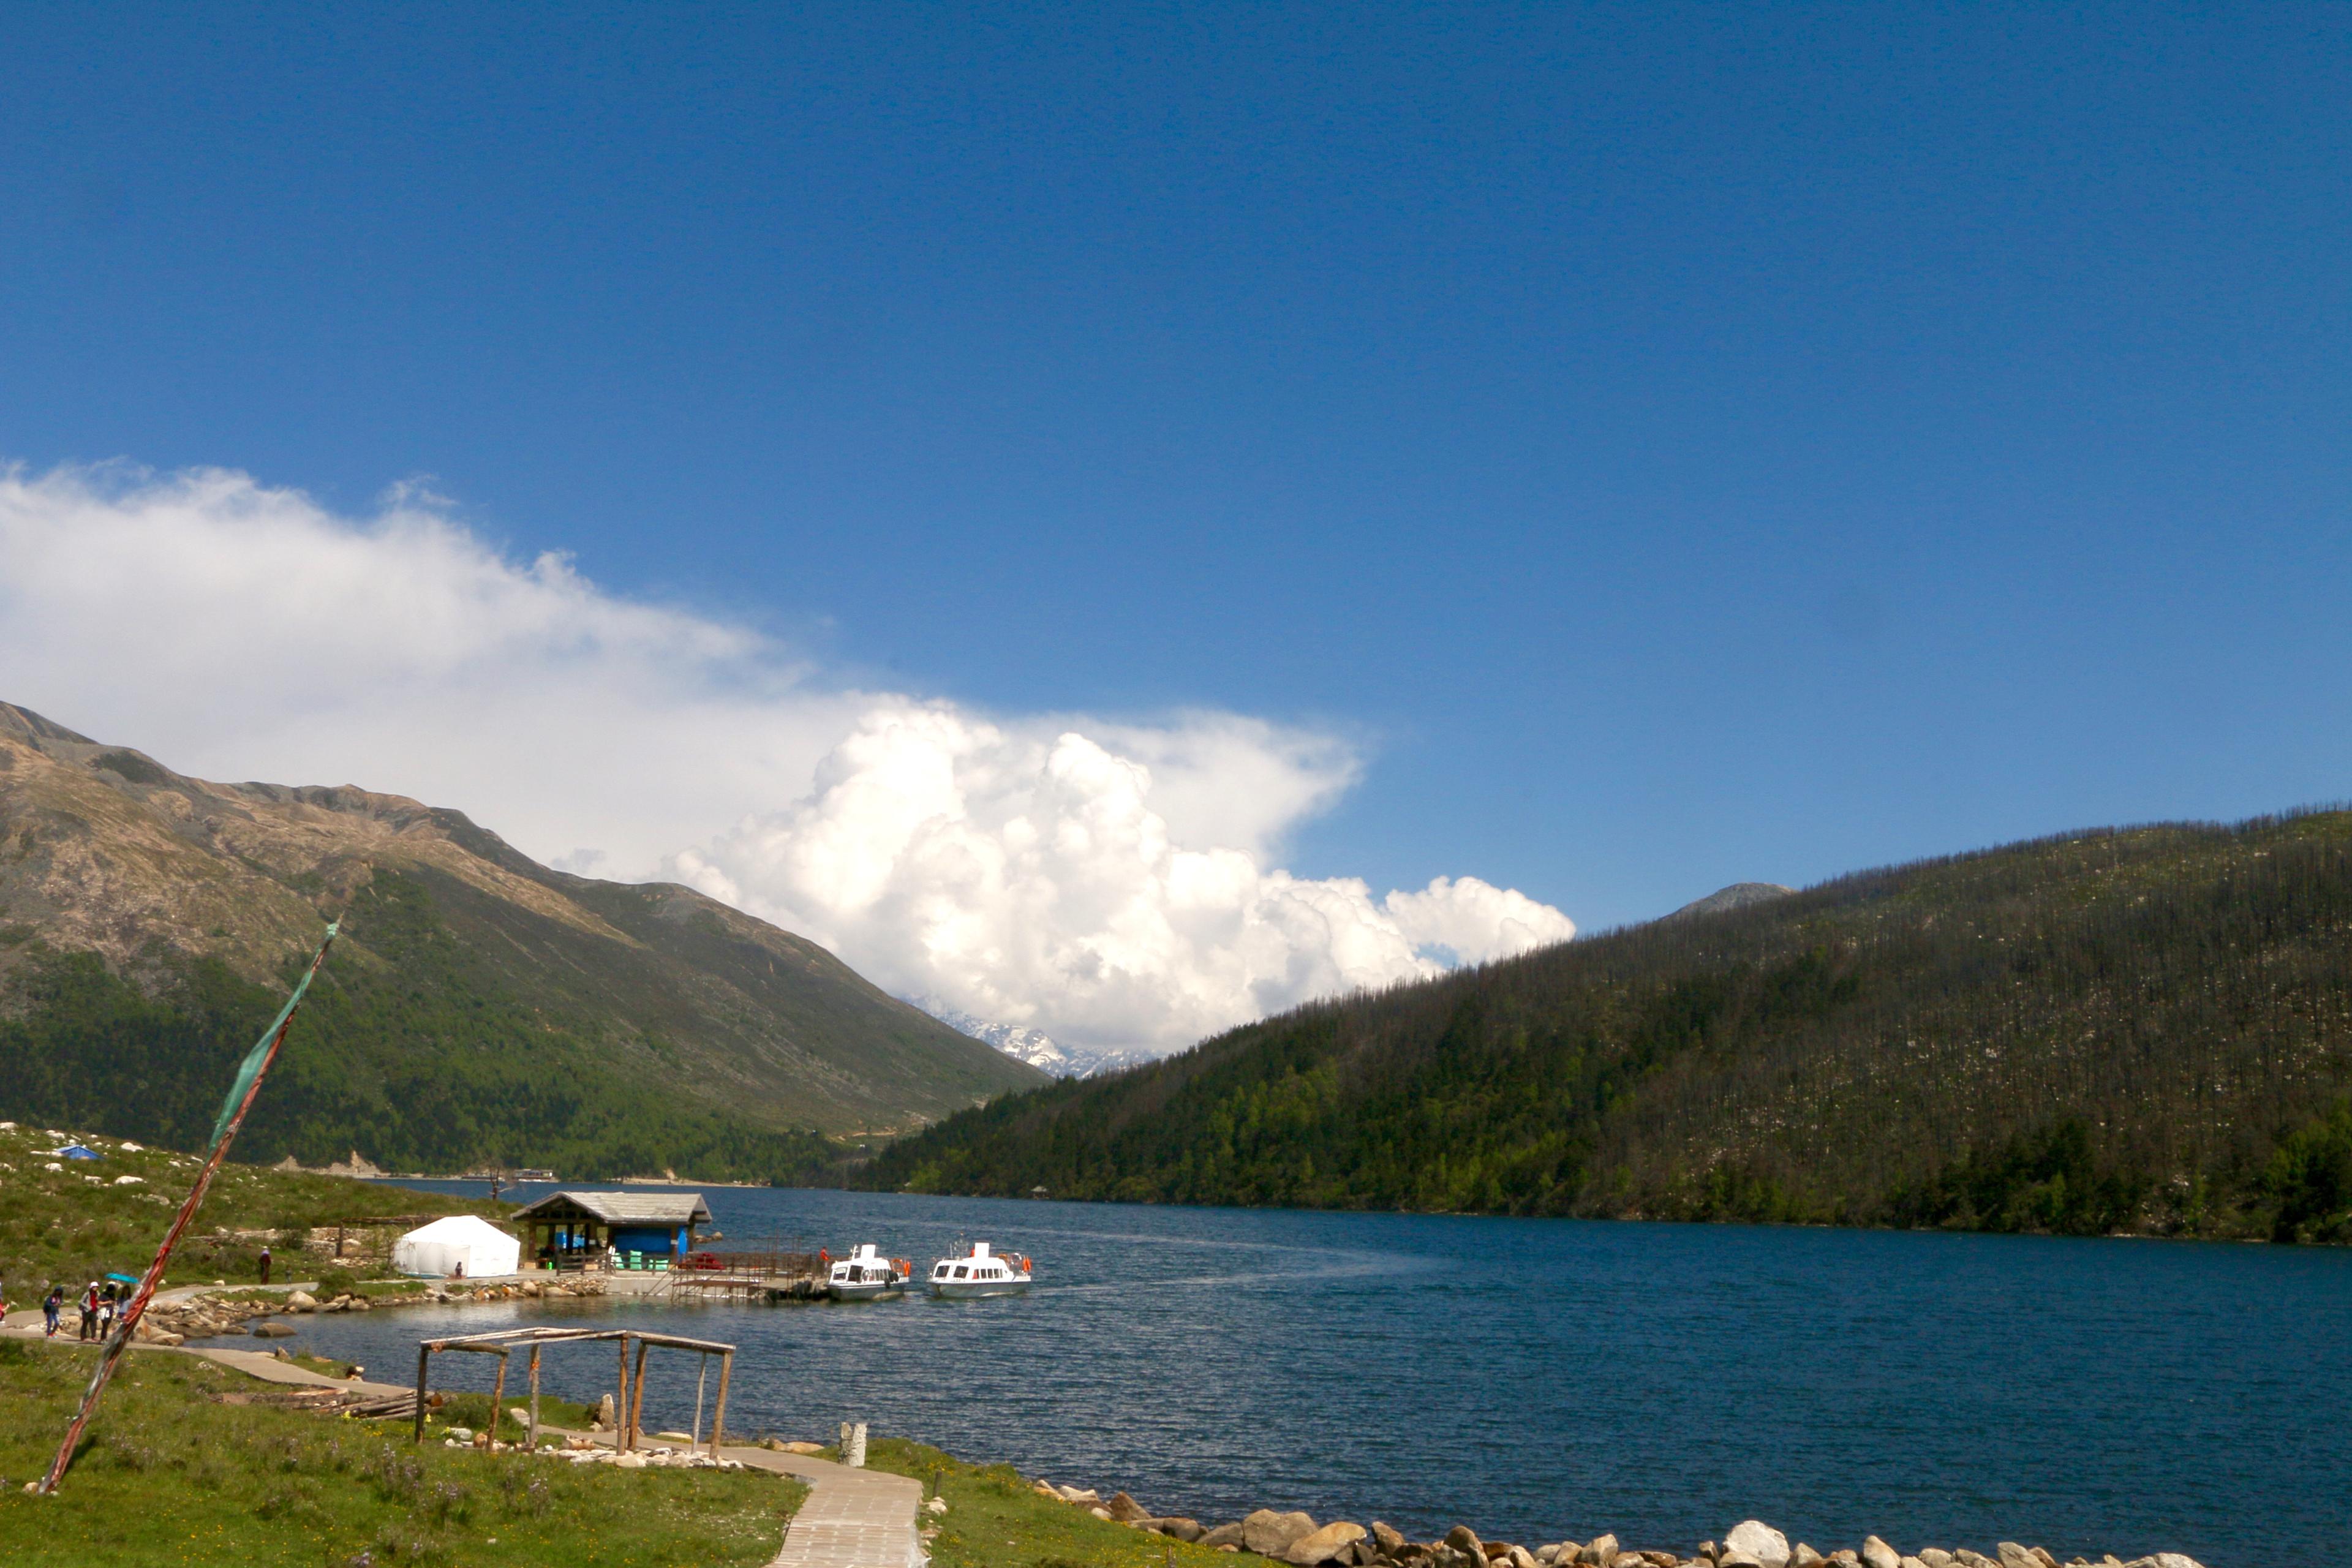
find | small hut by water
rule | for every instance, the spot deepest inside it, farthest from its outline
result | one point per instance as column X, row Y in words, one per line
column 642, row 1230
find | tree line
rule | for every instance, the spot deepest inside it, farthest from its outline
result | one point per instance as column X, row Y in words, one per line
column 412, row 1049
column 2146, row 1030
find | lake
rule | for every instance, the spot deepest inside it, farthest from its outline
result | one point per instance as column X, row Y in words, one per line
column 1549, row 1379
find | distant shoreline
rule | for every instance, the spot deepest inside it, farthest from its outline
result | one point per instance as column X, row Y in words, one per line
column 681, row 1184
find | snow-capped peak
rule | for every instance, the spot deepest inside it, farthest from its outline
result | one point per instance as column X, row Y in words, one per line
column 1036, row 1048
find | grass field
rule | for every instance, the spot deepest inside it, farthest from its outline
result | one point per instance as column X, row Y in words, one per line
column 995, row 1520
column 82, row 1220
column 172, row 1476
column 167, row 1477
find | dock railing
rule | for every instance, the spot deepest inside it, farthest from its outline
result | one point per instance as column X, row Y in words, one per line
column 770, row 1268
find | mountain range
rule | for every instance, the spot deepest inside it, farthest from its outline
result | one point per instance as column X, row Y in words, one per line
column 480, row 1007
column 2145, row 1030
column 1035, row 1047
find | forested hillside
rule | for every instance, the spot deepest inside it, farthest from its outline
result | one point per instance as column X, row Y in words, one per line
column 479, row 1008
column 2146, row 1030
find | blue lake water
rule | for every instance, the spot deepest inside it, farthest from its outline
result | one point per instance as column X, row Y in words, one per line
column 1542, row 1379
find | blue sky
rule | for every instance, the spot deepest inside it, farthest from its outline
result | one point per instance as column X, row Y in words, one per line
column 1675, row 444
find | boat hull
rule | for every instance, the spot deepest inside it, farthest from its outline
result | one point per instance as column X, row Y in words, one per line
column 867, row 1292
column 967, row 1290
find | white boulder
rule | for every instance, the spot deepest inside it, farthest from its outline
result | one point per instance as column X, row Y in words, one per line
column 1754, row 1539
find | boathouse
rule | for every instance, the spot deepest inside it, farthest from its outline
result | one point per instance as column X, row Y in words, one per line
column 571, row 1229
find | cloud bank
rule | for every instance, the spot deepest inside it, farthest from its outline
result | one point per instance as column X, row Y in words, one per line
column 1110, row 883
column 1025, row 875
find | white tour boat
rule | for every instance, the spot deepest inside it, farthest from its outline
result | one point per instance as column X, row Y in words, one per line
column 980, row 1272
column 866, row 1274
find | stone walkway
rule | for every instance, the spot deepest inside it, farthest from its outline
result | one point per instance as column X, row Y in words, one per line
column 269, row 1369
column 853, row 1519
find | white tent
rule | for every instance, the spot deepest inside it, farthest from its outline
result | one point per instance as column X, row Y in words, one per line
column 461, row 1241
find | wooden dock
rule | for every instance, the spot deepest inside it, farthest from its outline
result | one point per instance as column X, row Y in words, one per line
column 771, row 1275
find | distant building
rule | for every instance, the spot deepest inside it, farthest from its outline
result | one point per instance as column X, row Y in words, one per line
column 571, row 1230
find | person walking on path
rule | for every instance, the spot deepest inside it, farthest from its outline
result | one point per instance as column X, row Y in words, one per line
column 52, row 1305
column 105, row 1301
column 89, row 1310
column 265, row 1263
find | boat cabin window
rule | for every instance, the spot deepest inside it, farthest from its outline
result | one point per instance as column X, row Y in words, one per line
column 961, row 1271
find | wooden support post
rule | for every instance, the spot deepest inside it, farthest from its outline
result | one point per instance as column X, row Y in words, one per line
column 498, row 1402
column 718, row 1417
column 533, row 1439
column 424, row 1356
column 702, row 1376
column 621, row 1407
column 637, row 1396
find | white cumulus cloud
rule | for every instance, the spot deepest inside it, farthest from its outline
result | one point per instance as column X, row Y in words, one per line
column 1024, row 873
column 1109, row 882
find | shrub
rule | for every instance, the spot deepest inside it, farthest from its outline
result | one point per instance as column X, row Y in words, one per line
column 2310, row 1177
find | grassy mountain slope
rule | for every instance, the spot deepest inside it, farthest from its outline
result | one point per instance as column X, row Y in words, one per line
column 480, row 1006
column 2146, row 1030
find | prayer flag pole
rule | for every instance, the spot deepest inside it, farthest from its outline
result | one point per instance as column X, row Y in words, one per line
column 241, row 1094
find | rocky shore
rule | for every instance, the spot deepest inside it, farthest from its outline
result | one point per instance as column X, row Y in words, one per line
column 206, row 1315
column 1296, row 1539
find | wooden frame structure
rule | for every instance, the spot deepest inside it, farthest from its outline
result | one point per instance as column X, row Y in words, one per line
column 628, row 1405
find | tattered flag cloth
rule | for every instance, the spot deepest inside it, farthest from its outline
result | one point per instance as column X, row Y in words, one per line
column 257, row 1060
column 240, row 1100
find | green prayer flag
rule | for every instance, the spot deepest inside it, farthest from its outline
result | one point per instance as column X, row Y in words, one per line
column 259, row 1058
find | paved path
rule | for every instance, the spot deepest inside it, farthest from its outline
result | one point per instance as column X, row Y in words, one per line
column 269, row 1369
column 853, row 1519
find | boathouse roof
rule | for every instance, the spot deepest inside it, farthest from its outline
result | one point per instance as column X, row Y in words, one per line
column 620, row 1208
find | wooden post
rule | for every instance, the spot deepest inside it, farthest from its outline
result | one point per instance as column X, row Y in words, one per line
column 498, row 1402
column 533, row 1439
column 702, row 1376
column 621, row 1406
column 718, row 1417
column 424, row 1355
column 637, row 1396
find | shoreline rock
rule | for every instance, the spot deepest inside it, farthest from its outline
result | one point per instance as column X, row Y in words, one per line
column 1296, row 1538
column 208, row 1315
